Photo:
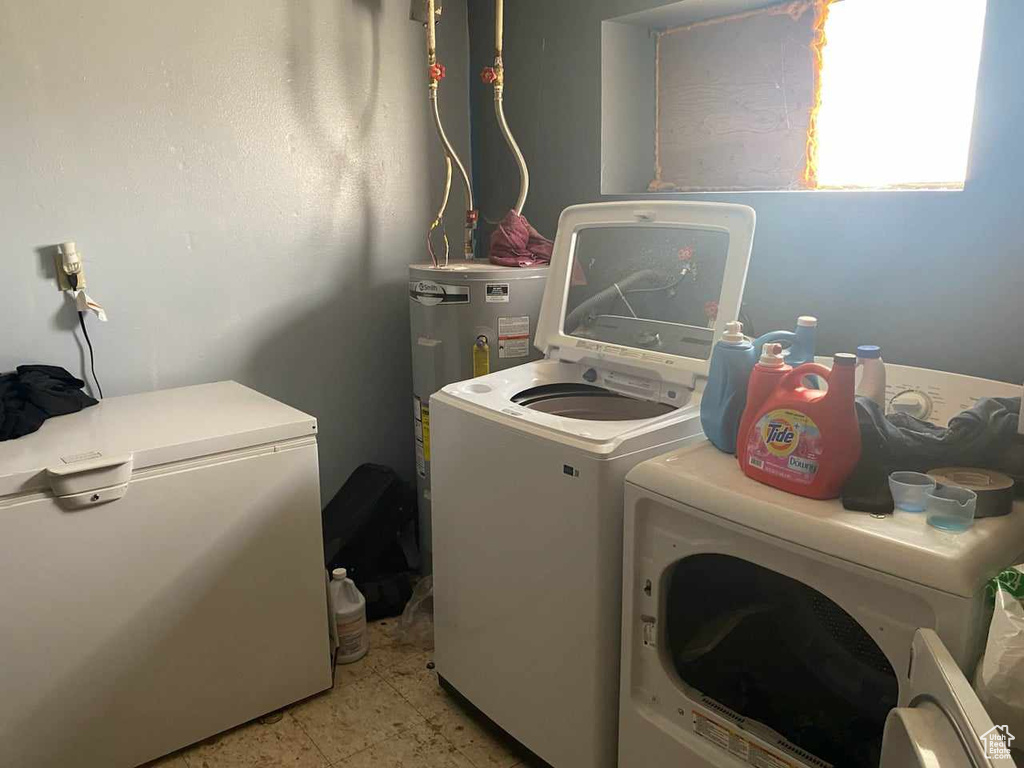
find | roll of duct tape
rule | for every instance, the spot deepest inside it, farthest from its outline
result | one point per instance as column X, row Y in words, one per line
column 995, row 490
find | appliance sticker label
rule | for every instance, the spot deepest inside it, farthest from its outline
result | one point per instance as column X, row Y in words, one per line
column 513, row 336
column 763, row 759
column 749, row 752
column 430, row 294
column 497, row 293
column 77, row 457
column 720, row 736
column 421, row 463
column 421, row 428
column 786, row 444
column 426, row 432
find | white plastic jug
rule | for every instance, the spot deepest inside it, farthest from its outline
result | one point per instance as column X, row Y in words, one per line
column 871, row 373
column 349, row 616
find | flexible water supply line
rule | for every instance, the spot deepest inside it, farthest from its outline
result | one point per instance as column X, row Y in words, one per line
column 496, row 75
column 439, row 218
column 435, row 72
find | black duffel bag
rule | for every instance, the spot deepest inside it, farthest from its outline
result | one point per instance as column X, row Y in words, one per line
column 370, row 529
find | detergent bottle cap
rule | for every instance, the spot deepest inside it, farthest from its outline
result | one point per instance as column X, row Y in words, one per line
column 843, row 359
column 869, row 351
column 733, row 332
column 771, row 356
column 807, row 321
column 339, row 574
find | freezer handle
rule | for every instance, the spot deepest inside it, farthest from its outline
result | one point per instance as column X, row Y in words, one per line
column 90, row 476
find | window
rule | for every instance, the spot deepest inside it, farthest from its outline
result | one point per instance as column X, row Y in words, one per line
column 897, row 87
column 741, row 95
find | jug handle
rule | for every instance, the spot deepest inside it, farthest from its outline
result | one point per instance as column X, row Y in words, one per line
column 786, row 336
column 794, row 379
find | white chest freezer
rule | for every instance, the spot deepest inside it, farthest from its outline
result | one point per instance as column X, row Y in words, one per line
column 161, row 575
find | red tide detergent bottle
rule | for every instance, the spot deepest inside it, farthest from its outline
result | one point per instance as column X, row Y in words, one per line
column 805, row 441
column 764, row 378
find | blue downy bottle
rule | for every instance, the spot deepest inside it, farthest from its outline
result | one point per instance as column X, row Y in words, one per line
column 732, row 360
column 725, row 394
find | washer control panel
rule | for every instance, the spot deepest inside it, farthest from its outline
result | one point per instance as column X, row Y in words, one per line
column 937, row 396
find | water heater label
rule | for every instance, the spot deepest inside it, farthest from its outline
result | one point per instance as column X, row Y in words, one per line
column 514, row 336
column 497, row 293
column 430, row 294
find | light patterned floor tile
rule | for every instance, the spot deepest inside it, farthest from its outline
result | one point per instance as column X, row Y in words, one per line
column 256, row 745
column 386, row 648
column 476, row 740
column 419, row 747
column 353, row 716
column 170, row 761
column 345, row 674
column 418, row 685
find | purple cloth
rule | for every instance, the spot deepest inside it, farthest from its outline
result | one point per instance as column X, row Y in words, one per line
column 514, row 243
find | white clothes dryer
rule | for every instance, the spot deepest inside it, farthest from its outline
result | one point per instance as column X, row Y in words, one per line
column 529, row 465
column 762, row 628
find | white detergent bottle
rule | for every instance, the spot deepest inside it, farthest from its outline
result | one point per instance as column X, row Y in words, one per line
column 871, row 373
column 349, row 616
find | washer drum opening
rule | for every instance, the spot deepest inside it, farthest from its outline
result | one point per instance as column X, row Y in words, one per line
column 588, row 402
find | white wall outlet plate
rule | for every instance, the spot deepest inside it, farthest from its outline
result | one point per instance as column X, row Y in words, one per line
column 63, row 284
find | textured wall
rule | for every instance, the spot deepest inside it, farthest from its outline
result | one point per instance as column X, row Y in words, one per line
column 936, row 278
column 247, row 182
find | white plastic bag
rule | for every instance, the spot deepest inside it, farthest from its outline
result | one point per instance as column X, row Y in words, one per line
column 999, row 679
column 416, row 624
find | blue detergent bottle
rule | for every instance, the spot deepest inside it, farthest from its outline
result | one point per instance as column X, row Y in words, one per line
column 801, row 341
column 725, row 394
column 732, row 360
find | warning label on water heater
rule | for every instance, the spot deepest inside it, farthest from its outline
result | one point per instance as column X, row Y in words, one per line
column 497, row 293
column 513, row 336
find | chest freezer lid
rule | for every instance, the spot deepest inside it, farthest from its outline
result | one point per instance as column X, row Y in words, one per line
column 903, row 545
column 155, row 428
column 639, row 346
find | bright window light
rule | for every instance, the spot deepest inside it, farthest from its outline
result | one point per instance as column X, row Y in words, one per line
column 898, row 81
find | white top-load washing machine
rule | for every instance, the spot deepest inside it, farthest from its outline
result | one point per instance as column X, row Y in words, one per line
column 762, row 628
column 529, row 465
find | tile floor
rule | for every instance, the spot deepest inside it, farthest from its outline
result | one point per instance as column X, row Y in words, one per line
column 385, row 711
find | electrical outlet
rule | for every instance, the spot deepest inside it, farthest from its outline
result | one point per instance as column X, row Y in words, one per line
column 63, row 279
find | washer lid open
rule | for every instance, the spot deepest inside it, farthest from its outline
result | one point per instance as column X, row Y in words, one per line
column 645, row 288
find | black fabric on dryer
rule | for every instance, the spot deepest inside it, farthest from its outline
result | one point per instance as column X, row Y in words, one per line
column 983, row 436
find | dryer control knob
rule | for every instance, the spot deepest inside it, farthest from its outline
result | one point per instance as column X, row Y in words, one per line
column 912, row 402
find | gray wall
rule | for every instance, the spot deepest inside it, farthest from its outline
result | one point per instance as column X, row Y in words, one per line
column 935, row 278
column 247, row 182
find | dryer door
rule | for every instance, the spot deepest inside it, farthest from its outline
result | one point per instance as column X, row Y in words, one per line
column 944, row 724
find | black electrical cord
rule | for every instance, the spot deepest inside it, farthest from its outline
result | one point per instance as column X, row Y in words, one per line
column 92, row 355
column 73, row 279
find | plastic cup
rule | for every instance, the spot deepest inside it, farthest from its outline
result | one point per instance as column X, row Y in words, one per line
column 910, row 490
column 951, row 508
